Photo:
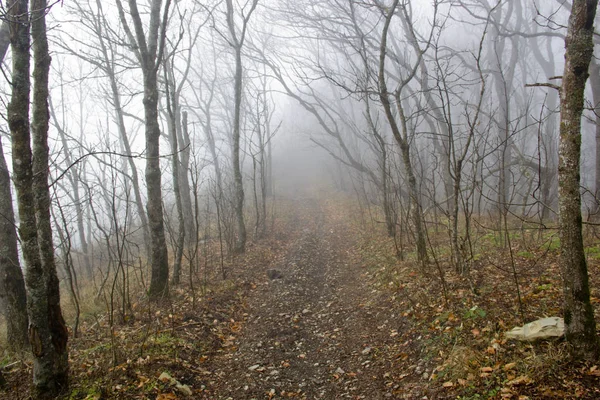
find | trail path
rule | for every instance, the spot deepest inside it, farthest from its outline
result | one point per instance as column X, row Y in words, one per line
column 315, row 332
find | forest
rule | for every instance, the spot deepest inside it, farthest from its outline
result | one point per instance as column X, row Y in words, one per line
column 311, row 199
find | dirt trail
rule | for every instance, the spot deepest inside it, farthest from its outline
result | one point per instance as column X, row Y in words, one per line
column 314, row 333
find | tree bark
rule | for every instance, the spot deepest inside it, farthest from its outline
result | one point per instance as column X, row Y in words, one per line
column 184, row 141
column 12, row 284
column 39, row 129
column 120, row 119
column 47, row 330
column 238, row 180
column 580, row 326
column 159, row 261
column 595, row 84
column 149, row 52
column 173, row 114
column 401, row 138
column 237, row 42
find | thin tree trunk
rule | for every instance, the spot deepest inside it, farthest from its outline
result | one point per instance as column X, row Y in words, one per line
column 172, row 106
column 401, row 138
column 39, row 129
column 47, row 330
column 237, row 42
column 186, row 192
column 120, row 119
column 240, row 245
column 159, row 261
column 74, row 179
column 12, row 284
column 595, row 84
column 580, row 326
column 149, row 51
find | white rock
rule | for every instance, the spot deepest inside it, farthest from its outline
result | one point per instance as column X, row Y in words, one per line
column 184, row 389
column 544, row 328
column 254, row 367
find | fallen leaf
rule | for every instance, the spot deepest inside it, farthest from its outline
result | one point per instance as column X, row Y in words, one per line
column 521, row 380
column 166, row 396
column 509, row 366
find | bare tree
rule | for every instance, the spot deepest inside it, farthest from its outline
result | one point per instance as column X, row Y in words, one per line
column 12, row 284
column 149, row 52
column 580, row 325
column 47, row 330
column 237, row 37
column 399, row 123
column 107, row 58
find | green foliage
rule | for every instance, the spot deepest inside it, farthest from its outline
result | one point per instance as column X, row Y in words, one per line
column 525, row 254
column 474, row 313
column 553, row 243
column 92, row 393
column 5, row 360
column 593, row 252
column 473, row 395
column 543, row 286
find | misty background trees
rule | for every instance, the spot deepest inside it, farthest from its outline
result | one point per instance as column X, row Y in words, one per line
column 440, row 117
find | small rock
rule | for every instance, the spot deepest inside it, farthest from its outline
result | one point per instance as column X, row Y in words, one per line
column 340, row 371
column 254, row 367
column 366, row 351
column 274, row 274
column 184, row 389
column 167, row 378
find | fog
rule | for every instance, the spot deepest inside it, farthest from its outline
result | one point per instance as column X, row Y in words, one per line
column 462, row 77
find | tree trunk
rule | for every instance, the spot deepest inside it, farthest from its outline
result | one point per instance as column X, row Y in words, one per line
column 580, row 326
column 75, row 179
column 238, row 180
column 595, row 84
column 159, row 260
column 12, row 284
column 39, row 129
column 401, row 138
column 172, row 111
column 47, row 330
column 186, row 192
column 149, row 52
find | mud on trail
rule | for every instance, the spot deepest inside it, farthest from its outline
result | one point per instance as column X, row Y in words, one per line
column 313, row 332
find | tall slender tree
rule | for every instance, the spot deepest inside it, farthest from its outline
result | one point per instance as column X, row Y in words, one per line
column 237, row 37
column 580, row 326
column 149, row 48
column 399, row 123
column 47, row 330
column 12, row 284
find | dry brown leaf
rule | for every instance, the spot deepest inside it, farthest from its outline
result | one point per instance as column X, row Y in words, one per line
column 166, row 396
column 509, row 366
column 521, row 380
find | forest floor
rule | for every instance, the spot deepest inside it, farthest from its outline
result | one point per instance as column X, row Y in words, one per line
column 323, row 309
